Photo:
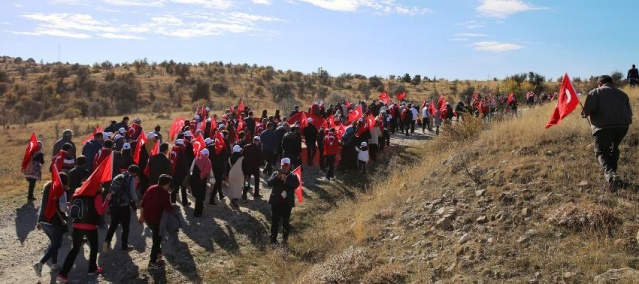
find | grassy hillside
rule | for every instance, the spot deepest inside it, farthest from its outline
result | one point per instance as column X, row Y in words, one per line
column 512, row 202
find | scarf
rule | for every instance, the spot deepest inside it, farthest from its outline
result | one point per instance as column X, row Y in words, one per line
column 204, row 164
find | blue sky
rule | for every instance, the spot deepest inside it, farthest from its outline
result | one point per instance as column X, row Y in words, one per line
column 453, row 39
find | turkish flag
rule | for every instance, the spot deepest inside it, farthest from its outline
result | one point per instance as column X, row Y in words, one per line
column 198, row 144
column 32, row 147
column 384, row 98
column 213, row 127
column 401, row 96
column 330, row 120
column 298, row 190
column 90, row 136
column 355, row 114
column 176, row 126
column 138, row 148
column 56, row 190
column 566, row 103
column 511, row 98
column 240, row 107
column 300, row 119
column 219, row 142
column 339, row 131
column 318, row 120
column 102, row 173
column 441, row 101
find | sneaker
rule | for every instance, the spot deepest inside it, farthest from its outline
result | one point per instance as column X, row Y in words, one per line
column 97, row 271
column 128, row 249
column 55, row 267
column 105, row 247
column 38, row 268
column 62, row 279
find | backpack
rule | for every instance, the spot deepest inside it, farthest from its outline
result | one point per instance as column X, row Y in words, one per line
column 119, row 189
column 79, row 209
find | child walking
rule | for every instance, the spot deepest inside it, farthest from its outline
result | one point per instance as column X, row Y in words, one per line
column 362, row 157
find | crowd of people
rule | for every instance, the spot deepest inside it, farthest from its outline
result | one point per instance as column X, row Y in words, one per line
column 222, row 153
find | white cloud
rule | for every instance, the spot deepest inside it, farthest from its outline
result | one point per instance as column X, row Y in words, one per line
column 458, row 39
column 471, row 25
column 263, row 2
column 120, row 36
column 378, row 6
column 213, row 4
column 470, row 35
column 495, row 46
column 503, row 8
column 143, row 3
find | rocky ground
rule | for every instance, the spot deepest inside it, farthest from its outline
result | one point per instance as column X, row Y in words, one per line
column 220, row 234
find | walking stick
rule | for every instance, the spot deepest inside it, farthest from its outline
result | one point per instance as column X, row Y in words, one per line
column 582, row 111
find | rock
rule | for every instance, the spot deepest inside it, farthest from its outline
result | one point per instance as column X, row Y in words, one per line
column 582, row 183
column 506, row 198
column 396, row 238
column 443, row 223
column 464, row 239
column 623, row 275
column 441, row 211
column 523, row 239
column 480, row 192
column 482, row 220
column 490, row 240
column 568, row 275
column 436, row 201
column 526, row 212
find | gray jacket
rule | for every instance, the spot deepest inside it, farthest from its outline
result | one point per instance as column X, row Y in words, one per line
column 170, row 222
column 607, row 107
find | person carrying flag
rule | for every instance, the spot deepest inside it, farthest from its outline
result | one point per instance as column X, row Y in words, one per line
column 33, row 171
column 54, row 227
column 282, row 200
column 610, row 115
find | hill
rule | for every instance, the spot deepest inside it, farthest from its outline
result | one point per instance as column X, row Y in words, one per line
column 31, row 91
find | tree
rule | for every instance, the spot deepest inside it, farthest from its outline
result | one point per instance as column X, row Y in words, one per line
column 417, row 79
column 201, row 91
column 406, row 78
column 617, row 78
column 375, row 82
column 123, row 92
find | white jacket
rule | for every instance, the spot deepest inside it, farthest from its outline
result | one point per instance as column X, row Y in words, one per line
column 362, row 155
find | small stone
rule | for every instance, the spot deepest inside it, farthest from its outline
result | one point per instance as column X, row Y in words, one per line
column 396, row 238
column 464, row 239
column 436, row 202
column 582, row 183
column 482, row 220
column 443, row 224
column 490, row 240
column 526, row 212
column 567, row 275
column 522, row 239
column 480, row 192
column 623, row 275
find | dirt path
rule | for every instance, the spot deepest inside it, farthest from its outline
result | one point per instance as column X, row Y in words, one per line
column 209, row 242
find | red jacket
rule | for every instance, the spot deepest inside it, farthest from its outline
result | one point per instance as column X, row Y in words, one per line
column 331, row 145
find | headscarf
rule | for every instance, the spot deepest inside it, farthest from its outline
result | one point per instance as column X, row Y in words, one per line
column 203, row 163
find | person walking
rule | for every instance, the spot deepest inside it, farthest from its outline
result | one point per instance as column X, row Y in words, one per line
column 331, row 148
column 54, row 228
column 200, row 172
column 123, row 199
column 33, row 171
column 282, row 200
column 86, row 226
column 610, row 115
column 156, row 200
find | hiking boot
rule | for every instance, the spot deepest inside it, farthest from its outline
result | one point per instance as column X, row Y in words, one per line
column 38, row 268
column 105, row 247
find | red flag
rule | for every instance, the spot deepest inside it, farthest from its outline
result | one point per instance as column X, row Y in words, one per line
column 32, row 147
column 511, row 98
column 355, row 114
column 299, row 118
column 298, row 190
column 56, row 190
column 177, row 124
column 370, row 121
column 566, row 103
column 318, row 120
column 138, row 148
column 384, row 98
column 240, row 107
column 156, row 149
column 198, row 144
column 432, row 109
column 339, row 131
column 219, row 142
column 240, row 126
column 401, row 96
column 213, row 127
column 90, row 136
column 102, row 173
column 330, row 121
column 441, row 101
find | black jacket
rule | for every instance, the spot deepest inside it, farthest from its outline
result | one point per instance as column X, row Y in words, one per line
column 158, row 164
column 607, row 107
column 289, row 185
column 291, row 144
column 310, row 133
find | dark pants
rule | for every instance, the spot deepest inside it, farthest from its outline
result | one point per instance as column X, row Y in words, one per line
column 177, row 187
column 217, row 186
column 256, row 176
column 407, row 126
column 32, row 183
column 143, row 183
column 119, row 215
column 320, row 151
column 280, row 212
column 330, row 162
column 55, row 236
column 269, row 157
column 78, row 240
column 157, row 241
column 361, row 166
column 607, row 142
column 199, row 192
column 372, row 151
column 426, row 124
column 412, row 126
column 311, row 150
